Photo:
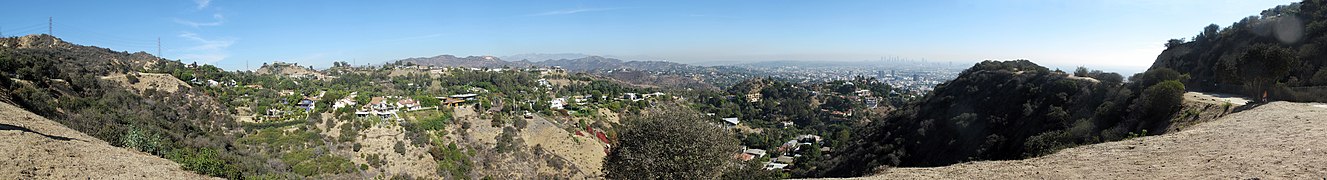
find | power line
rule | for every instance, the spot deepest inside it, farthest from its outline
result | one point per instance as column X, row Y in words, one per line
column 114, row 37
column 28, row 28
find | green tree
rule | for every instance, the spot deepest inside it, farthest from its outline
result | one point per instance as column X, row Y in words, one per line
column 1161, row 100
column 1264, row 65
column 1320, row 78
column 1081, row 72
column 670, row 143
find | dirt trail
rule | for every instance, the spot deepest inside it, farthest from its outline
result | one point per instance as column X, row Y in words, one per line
column 1279, row 140
column 34, row 147
column 1215, row 98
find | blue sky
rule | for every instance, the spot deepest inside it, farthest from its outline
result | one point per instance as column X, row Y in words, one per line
column 1122, row 35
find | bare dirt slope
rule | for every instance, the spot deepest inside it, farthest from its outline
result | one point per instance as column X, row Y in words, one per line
column 585, row 152
column 160, row 82
column 1279, row 140
column 34, row 147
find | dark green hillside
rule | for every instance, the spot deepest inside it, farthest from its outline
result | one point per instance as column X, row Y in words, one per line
column 1011, row 110
column 1280, row 52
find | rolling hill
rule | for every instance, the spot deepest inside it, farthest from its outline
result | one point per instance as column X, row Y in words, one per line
column 1278, row 53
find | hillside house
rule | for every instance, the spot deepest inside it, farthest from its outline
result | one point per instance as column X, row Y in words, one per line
column 557, row 103
column 790, row 146
column 632, row 96
column 755, row 152
column 809, row 138
column 408, row 104
column 451, row 102
column 773, row 166
column 545, row 83
column 653, row 95
column 306, row 104
column 581, row 100
column 274, row 113
column 467, row 97
column 732, row 121
column 784, row 159
column 348, row 101
column 377, row 106
column 743, row 157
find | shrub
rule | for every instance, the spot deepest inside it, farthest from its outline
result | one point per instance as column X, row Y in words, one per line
column 133, row 78
column 507, row 141
column 520, row 123
column 670, row 143
column 1161, row 99
column 1158, row 75
column 451, row 160
column 348, row 133
column 326, row 164
column 143, row 140
column 1320, row 78
column 295, row 157
column 204, row 161
column 435, row 123
column 374, row 160
column 399, row 147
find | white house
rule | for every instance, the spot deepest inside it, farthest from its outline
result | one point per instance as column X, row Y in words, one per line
column 652, row 95
column 557, row 103
column 631, row 96
column 732, row 121
column 773, row 166
column 348, row 101
column 408, row 104
column 755, row 152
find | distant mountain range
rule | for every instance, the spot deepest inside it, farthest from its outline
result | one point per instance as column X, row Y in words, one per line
column 468, row 61
column 544, row 56
column 587, row 63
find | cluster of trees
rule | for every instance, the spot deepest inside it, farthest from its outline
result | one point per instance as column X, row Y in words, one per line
column 1010, row 110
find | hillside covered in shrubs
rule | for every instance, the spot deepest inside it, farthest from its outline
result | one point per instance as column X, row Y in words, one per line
column 1012, row 110
column 62, row 81
column 1278, row 53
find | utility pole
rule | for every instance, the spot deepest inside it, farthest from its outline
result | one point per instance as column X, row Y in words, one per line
column 50, row 25
column 159, row 48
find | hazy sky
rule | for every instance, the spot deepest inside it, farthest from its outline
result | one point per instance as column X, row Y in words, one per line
column 1111, row 34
